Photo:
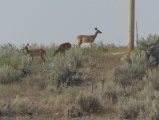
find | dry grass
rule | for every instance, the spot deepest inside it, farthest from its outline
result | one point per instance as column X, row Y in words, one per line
column 53, row 103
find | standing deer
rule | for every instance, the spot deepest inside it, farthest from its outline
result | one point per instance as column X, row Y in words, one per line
column 62, row 48
column 35, row 52
column 87, row 38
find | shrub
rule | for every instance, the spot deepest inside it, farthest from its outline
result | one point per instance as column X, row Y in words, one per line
column 12, row 62
column 152, row 77
column 143, row 106
column 71, row 93
column 130, row 109
column 10, row 55
column 9, row 51
column 74, row 57
column 41, row 84
column 150, row 46
column 132, row 69
column 150, row 107
column 102, row 47
column 74, row 112
column 89, row 104
column 133, row 59
column 85, row 50
column 111, row 91
column 92, row 62
column 63, row 75
column 18, row 106
column 8, row 74
column 125, row 74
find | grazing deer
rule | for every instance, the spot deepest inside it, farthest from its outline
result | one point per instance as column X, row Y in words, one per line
column 35, row 52
column 62, row 48
column 87, row 38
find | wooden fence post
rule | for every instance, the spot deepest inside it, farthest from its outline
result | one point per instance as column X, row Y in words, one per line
column 131, row 21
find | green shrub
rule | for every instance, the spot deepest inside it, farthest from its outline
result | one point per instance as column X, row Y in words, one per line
column 150, row 46
column 74, row 57
column 132, row 69
column 141, row 106
column 125, row 74
column 9, row 51
column 70, row 94
column 85, row 50
column 89, row 104
column 10, row 55
column 63, row 75
column 18, row 106
column 74, row 112
column 102, row 47
column 111, row 91
column 150, row 107
column 152, row 77
column 8, row 74
column 15, row 63
column 92, row 62
column 41, row 84
column 130, row 109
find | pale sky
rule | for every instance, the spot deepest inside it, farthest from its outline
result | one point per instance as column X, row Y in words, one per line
column 58, row 21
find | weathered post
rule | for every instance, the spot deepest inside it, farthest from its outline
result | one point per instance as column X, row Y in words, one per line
column 131, row 21
column 92, row 86
column 68, row 114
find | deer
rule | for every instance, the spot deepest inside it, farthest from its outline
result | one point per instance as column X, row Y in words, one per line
column 87, row 38
column 35, row 52
column 62, row 48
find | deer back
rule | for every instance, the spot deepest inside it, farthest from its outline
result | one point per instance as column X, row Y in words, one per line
column 62, row 47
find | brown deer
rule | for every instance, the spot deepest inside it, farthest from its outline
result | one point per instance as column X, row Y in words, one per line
column 35, row 52
column 62, row 48
column 87, row 38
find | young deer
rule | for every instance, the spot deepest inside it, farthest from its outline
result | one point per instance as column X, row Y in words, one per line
column 62, row 48
column 35, row 52
column 87, row 38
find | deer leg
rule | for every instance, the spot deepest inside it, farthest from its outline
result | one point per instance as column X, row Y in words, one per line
column 42, row 58
column 91, row 45
column 30, row 59
column 76, row 46
column 79, row 44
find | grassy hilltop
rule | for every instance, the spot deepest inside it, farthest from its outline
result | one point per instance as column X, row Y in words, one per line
column 94, row 84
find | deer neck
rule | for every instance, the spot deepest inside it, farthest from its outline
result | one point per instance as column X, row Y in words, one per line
column 95, row 34
column 27, row 51
column 56, row 52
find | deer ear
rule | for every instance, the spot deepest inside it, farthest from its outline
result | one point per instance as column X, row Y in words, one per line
column 10, row 44
column 96, row 28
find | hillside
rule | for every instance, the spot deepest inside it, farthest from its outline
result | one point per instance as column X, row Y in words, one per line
column 87, row 83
